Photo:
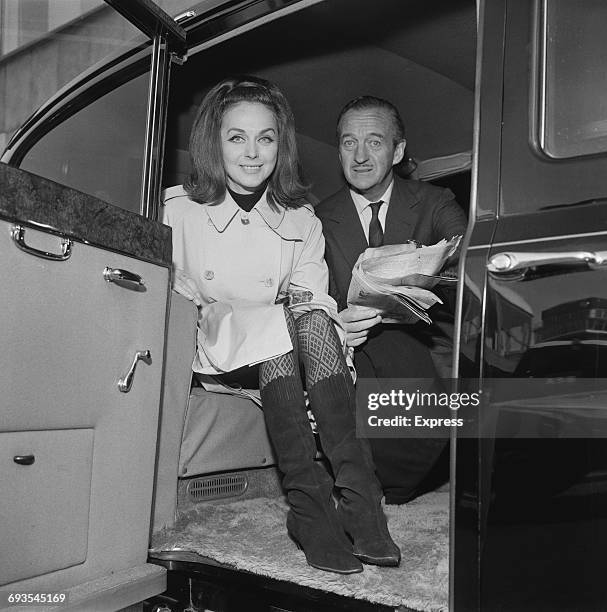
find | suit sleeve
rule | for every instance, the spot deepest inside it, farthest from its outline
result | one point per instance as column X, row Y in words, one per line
column 448, row 219
column 333, row 289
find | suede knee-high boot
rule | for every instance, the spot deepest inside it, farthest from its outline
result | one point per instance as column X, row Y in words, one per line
column 312, row 519
column 332, row 401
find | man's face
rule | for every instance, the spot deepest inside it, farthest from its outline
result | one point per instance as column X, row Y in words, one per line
column 367, row 150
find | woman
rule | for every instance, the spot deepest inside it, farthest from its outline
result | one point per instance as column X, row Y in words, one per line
column 248, row 251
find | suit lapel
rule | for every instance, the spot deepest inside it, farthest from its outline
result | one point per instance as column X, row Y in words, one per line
column 402, row 216
column 346, row 228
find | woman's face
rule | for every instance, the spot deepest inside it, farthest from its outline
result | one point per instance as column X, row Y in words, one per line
column 249, row 143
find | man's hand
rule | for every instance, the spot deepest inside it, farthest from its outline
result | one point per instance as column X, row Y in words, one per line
column 184, row 285
column 358, row 320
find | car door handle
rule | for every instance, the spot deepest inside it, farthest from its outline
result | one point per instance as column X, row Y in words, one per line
column 24, row 459
column 124, row 278
column 18, row 236
column 506, row 262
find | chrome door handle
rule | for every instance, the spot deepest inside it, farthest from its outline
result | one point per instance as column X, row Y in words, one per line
column 503, row 263
column 18, row 236
column 127, row 279
column 24, row 459
column 126, row 382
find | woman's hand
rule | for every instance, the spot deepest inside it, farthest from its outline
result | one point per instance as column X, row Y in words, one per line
column 185, row 286
column 357, row 321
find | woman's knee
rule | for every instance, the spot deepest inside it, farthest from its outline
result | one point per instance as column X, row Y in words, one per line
column 318, row 318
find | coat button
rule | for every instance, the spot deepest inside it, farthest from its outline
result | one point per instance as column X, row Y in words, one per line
column 209, row 274
column 245, row 220
column 268, row 282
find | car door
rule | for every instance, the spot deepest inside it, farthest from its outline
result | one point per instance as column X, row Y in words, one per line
column 530, row 513
column 85, row 287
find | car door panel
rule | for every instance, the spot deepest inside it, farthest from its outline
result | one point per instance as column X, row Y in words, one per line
column 85, row 290
column 78, row 447
column 530, row 512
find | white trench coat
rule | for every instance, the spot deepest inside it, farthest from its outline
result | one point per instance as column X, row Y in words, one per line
column 240, row 263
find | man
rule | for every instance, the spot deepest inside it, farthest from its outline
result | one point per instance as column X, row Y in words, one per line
column 378, row 207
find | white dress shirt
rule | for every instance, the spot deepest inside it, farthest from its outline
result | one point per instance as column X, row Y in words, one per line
column 363, row 208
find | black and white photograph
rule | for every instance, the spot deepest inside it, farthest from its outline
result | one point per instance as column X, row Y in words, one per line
column 301, row 305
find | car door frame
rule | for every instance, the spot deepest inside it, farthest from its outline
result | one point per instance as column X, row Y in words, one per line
column 491, row 230
column 465, row 514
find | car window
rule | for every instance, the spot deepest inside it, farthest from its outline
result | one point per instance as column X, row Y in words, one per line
column 89, row 130
column 45, row 44
column 100, row 149
column 26, row 22
column 573, row 90
column 553, row 135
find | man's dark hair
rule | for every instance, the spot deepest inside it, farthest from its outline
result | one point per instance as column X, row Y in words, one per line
column 367, row 102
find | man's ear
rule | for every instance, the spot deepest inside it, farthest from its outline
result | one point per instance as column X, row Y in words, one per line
column 399, row 152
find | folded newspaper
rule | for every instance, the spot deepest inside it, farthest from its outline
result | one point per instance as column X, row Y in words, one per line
column 396, row 279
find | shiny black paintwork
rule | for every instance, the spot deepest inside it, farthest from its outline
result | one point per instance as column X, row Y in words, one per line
column 530, row 513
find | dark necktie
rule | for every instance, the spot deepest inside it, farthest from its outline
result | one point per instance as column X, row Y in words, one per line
column 376, row 233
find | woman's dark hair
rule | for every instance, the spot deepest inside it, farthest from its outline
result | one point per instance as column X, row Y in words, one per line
column 207, row 182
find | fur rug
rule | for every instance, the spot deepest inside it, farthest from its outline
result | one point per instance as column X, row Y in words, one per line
column 251, row 535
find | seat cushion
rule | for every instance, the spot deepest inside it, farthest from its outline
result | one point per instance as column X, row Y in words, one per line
column 221, row 433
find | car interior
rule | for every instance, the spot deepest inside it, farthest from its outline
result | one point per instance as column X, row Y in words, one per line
column 215, row 446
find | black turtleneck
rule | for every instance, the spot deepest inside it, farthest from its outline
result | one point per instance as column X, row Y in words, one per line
column 246, row 201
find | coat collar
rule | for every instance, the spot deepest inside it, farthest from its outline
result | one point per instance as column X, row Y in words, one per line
column 223, row 213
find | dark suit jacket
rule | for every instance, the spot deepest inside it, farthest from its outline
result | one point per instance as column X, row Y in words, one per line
column 417, row 211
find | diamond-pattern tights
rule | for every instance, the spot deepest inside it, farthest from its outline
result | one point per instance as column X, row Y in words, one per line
column 315, row 340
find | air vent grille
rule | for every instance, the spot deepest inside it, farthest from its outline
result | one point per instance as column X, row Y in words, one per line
column 217, row 487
